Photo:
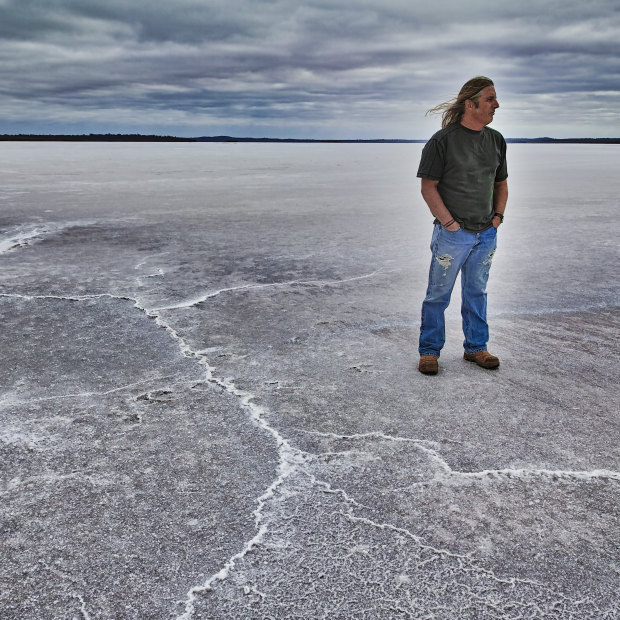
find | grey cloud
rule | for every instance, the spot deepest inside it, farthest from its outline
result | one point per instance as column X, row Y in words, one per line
column 376, row 62
column 184, row 21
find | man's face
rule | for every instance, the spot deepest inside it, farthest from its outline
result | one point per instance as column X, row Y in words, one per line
column 487, row 104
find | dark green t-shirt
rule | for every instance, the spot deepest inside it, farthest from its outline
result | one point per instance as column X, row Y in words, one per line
column 467, row 164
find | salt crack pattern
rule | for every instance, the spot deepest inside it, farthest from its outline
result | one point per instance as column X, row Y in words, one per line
column 431, row 449
column 291, row 459
column 247, row 287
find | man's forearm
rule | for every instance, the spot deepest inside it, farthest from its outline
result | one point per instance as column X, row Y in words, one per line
column 434, row 201
column 500, row 197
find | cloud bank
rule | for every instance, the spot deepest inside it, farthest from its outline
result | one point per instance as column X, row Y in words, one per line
column 320, row 68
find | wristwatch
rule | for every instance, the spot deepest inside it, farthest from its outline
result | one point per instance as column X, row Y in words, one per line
column 499, row 215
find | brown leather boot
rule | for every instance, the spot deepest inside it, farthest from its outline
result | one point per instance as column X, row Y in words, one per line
column 483, row 359
column 428, row 365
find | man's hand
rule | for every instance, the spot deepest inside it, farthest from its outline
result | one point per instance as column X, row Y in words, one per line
column 496, row 221
column 453, row 227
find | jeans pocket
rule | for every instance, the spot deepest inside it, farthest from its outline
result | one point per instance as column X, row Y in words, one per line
column 450, row 233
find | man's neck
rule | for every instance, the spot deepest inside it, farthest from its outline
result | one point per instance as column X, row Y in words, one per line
column 469, row 124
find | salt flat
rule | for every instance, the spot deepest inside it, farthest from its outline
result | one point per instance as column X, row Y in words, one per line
column 210, row 404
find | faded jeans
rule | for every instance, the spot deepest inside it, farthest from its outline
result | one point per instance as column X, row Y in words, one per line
column 471, row 254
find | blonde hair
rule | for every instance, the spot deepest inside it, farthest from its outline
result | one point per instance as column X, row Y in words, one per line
column 452, row 111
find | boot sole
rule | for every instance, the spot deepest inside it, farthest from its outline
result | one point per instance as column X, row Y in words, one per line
column 490, row 366
column 429, row 372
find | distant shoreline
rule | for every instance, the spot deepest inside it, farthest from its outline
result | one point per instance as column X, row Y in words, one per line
column 153, row 138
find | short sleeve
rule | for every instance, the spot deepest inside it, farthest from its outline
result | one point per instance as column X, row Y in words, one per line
column 432, row 161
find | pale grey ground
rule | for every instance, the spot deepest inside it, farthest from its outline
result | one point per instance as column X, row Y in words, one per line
column 210, row 406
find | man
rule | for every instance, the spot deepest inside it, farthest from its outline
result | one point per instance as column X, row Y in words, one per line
column 463, row 172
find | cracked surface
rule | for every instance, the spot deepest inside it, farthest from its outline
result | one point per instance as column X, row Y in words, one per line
column 209, row 403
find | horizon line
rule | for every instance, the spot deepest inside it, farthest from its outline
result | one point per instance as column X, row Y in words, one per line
column 136, row 137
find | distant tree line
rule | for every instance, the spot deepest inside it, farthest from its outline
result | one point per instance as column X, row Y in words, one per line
column 565, row 140
column 117, row 137
column 135, row 137
column 94, row 137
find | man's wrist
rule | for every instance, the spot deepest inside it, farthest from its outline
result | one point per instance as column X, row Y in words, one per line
column 499, row 215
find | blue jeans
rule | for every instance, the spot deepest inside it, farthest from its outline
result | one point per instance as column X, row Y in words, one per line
column 471, row 254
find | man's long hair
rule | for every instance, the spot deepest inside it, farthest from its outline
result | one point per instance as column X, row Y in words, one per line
column 452, row 111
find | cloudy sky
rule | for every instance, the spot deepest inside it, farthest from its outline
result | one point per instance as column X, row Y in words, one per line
column 314, row 68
